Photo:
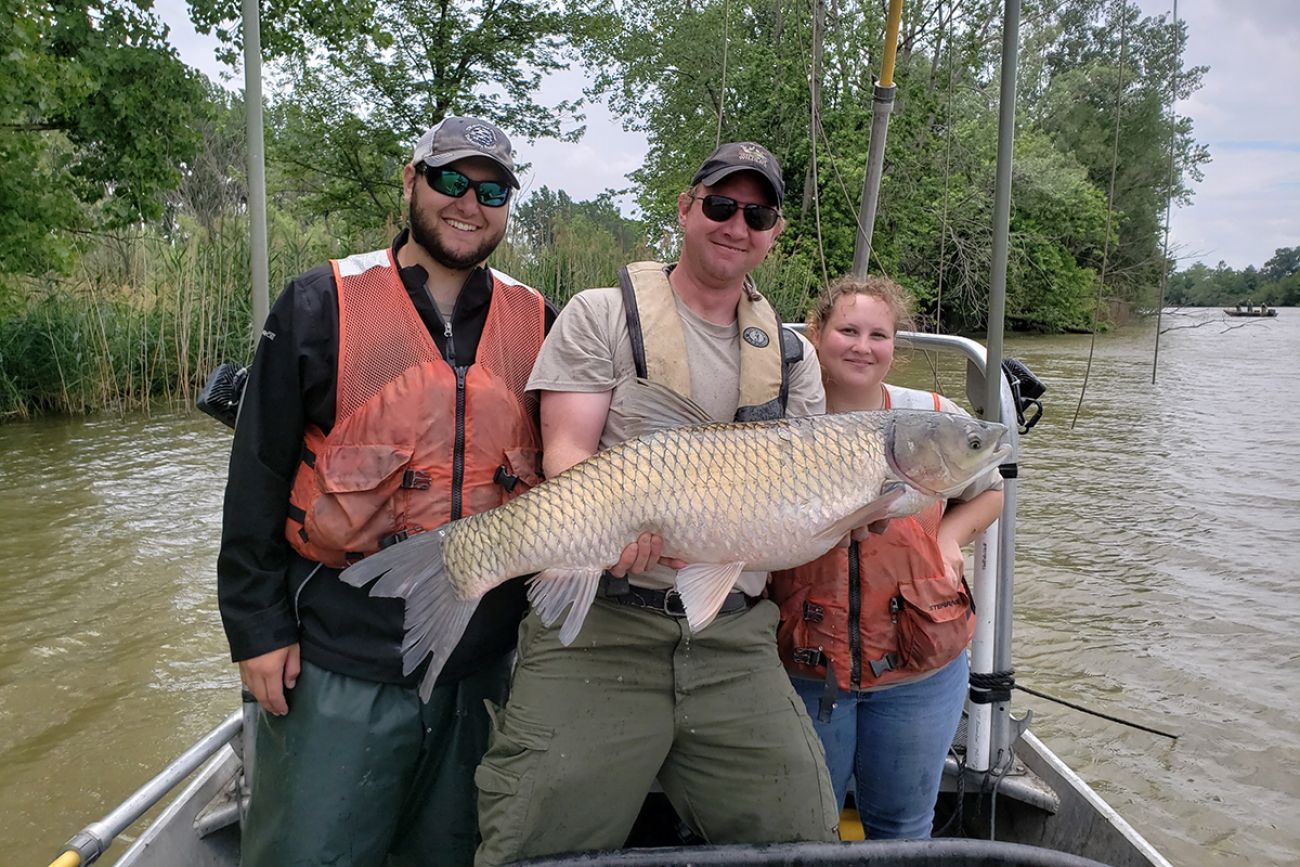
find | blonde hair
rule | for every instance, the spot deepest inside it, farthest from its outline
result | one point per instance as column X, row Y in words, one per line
column 895, row 297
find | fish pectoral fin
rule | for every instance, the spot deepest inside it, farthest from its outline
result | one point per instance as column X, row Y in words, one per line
column 703, row 587
column 877, row 509
column 436, row 616
column 649, row 406
column 553, row 590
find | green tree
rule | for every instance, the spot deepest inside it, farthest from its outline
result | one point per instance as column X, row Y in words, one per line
column 96, row 118
column 355, row 86
column 1105, row 64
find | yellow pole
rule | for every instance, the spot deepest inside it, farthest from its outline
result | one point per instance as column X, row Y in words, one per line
column 70, row 858
column 882, row 103
column 891, row 42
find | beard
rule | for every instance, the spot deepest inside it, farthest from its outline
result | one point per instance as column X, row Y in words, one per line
column 425, row 232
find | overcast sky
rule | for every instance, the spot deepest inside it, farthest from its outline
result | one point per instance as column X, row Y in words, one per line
column 1247, row 112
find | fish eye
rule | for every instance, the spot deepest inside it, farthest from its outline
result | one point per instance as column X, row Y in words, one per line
column 975, row 443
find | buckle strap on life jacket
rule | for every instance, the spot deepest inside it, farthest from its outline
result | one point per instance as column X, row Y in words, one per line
column 505, row 479
column 888, row 662
column 417, row 480
column 813, row 613
column 813, row 657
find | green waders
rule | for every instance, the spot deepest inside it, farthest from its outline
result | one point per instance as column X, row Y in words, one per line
column 589, row 728
column 363, row 773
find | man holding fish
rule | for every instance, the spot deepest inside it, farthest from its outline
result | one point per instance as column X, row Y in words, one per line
column 637, row 696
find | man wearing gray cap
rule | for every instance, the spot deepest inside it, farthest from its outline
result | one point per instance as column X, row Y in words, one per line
column 636, row 697
column 386, row 397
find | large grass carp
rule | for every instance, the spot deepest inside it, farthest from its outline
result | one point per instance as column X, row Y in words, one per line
column 726, row 498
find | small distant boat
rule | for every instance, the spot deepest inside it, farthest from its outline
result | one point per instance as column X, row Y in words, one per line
column 1249, row 309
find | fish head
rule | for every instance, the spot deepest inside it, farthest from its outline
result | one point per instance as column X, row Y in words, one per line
column 940, row 453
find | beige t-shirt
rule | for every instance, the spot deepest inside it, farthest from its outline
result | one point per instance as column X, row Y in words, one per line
column 589, row 350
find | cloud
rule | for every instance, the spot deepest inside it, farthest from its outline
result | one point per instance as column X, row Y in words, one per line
column 1248, row 112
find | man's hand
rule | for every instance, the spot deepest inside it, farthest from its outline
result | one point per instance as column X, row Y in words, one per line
column 642, row 554
column 269, row 675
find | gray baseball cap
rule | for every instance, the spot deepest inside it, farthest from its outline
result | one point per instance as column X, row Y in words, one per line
column 742, row 156
column 455, row 138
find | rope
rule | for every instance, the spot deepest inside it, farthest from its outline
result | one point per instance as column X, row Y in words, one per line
column 825, row 139
column 814, row 122
column 947, row 183
column 992, row 687
column 722, row 92
column 955, row 818
column 1110, row 203
column 996, row 687
column 1000, row 774
column 1169, row 200
column 1095, row 713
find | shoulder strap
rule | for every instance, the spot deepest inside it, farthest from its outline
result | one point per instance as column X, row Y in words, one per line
column 633, row 321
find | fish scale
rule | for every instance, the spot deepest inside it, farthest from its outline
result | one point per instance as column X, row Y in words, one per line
column 725, row 497
column 715, row 493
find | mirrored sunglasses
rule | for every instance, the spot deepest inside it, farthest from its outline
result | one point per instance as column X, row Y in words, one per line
column 720, row 209
column 449, row 182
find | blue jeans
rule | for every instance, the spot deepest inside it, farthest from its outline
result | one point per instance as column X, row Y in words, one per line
column 893, row 743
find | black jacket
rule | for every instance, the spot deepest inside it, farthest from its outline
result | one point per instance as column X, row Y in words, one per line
column 269, row 595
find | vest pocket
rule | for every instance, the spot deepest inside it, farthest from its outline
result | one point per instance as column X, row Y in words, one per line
column 355, row 507
column 934, row 623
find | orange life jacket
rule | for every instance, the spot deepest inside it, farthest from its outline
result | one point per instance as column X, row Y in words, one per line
column 895, row 617
column 415, row 443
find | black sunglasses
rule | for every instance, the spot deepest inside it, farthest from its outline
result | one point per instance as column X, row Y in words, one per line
column 449, row 182
column 720, row 209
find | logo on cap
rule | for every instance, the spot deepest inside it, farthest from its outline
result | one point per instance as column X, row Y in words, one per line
column 755, row 337
column 481, row 135
column 753, row 154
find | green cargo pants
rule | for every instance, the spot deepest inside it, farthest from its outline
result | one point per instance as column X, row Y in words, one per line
column 364, row 773
column 589, row 727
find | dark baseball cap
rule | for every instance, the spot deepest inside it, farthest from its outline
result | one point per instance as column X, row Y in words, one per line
column 742, row 156
column 455, row 138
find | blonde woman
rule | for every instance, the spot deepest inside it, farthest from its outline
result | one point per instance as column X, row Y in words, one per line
column 873, row 634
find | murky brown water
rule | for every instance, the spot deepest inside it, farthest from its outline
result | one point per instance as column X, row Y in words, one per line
column 1157, row 580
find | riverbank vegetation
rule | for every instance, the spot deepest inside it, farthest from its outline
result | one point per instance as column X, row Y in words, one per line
column 1276, row 283
column 123, row 227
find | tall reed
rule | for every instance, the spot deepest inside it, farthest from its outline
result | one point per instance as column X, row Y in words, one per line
column 146, row 316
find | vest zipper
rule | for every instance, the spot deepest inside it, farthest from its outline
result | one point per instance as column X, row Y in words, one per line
column 458, row 454
column 450, row 352
column 855, row 616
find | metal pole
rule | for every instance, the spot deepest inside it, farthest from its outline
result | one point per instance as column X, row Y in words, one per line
column 256, row 166
column 984, row 593
column 993, row 380
column 90, row 842
column 1169, row 200
column 881, row 106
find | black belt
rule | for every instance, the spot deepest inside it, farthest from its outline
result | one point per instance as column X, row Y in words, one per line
column 667, row 602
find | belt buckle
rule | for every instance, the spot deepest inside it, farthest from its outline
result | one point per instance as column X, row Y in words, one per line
column 677, row 610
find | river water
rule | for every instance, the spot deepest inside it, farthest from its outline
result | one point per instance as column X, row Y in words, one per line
column 1157, row 576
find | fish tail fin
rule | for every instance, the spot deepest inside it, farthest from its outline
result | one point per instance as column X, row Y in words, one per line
column 436, row 616
column 703, row 588
column 554, row 590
